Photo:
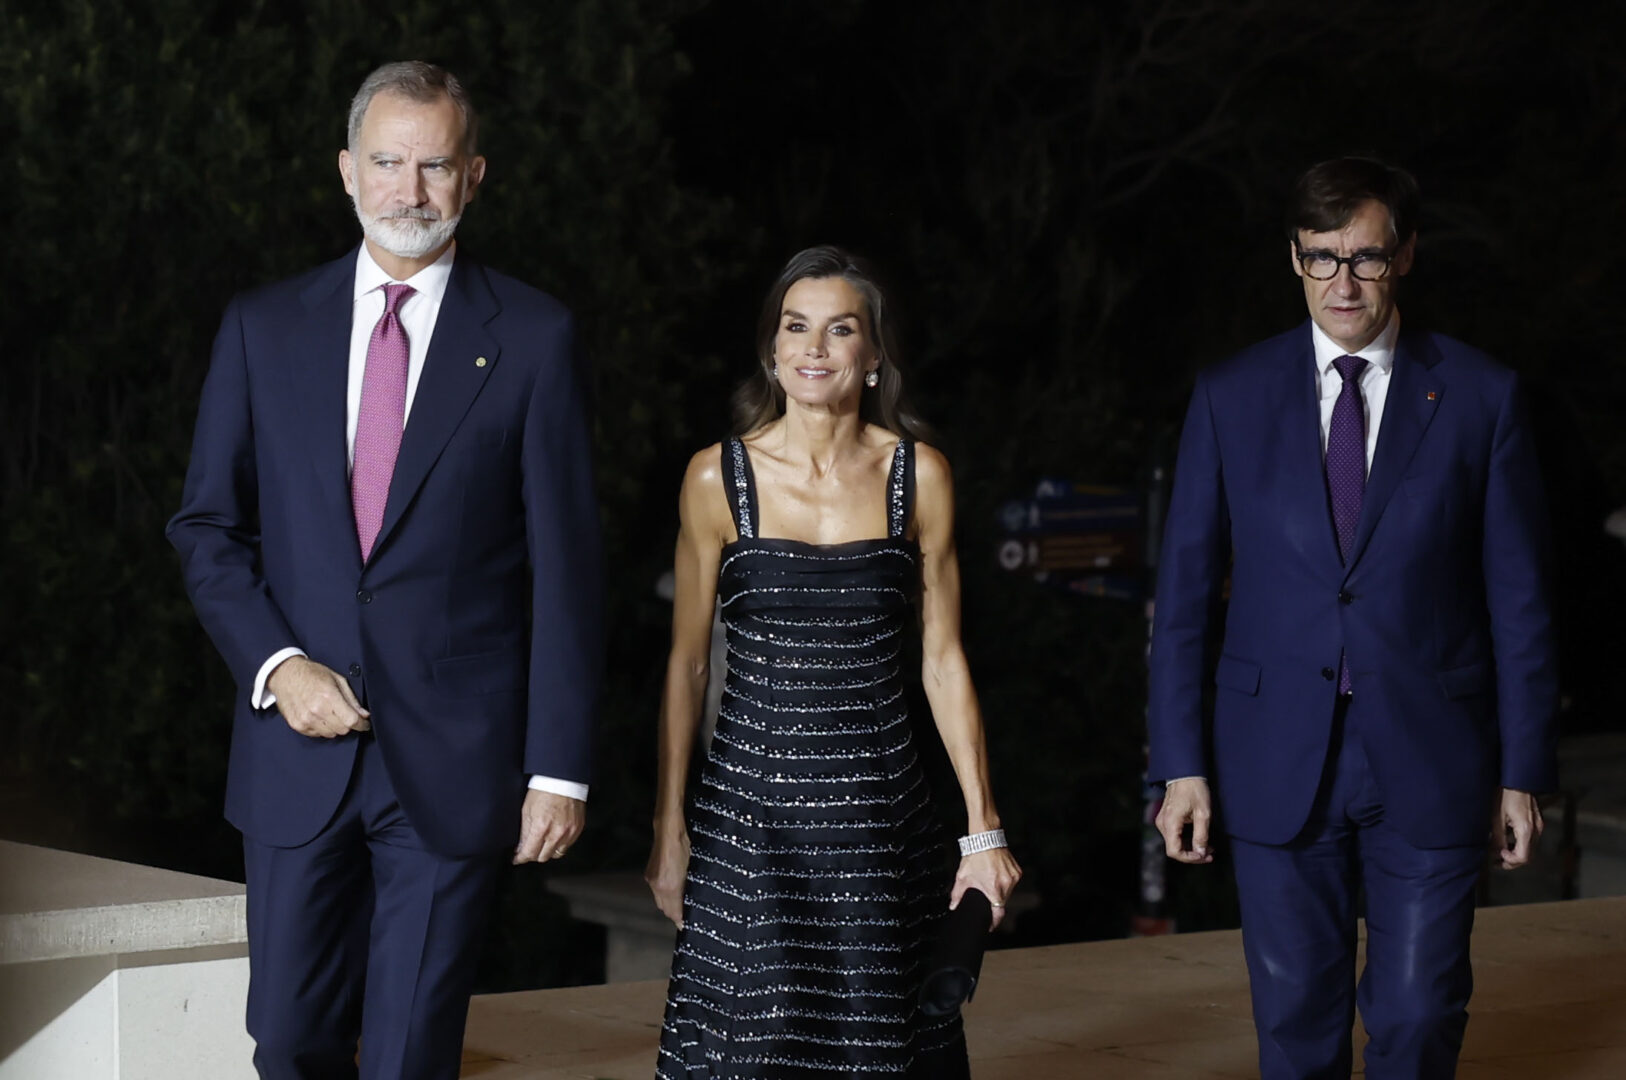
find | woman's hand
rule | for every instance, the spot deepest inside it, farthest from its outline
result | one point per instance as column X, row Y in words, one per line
column 993, row 872
column 668, row 866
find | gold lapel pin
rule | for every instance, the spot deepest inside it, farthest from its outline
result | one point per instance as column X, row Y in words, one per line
column 480, row 361
column 1431, row 394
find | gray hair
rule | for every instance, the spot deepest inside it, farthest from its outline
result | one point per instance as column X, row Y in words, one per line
column 417, row 81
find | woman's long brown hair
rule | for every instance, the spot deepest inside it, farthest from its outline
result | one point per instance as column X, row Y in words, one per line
column 761, row 400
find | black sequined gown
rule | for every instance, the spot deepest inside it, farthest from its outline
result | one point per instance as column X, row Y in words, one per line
column 817, row 869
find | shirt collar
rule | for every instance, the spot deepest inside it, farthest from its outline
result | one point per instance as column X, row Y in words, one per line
column 430, row 282
column 1380, row 353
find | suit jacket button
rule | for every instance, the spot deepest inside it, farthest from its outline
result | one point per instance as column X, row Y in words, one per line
column 355, row 671
column 364, row 596
column 1345, row 596
column 1328, row 673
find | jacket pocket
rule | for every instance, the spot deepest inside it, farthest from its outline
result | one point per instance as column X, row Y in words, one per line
column 1465, row 681
column 1239, row 675
column 495, row 672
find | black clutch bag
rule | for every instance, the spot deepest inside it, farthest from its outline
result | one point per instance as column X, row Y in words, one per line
column 956, row 957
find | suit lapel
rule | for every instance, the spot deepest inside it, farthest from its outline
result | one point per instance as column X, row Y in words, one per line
column 451, row 379
column 319, row 348
column 1414, row 396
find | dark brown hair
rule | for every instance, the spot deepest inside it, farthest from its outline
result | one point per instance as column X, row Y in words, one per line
column 761, row 400
column 1328, row 194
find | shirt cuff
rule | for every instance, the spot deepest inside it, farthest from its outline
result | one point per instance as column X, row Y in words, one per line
column 568, row 788
column 261, row 698
column 1175, row 779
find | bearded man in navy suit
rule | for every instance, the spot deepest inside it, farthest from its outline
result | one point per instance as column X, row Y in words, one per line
column 1384, row 691
column 390, row 533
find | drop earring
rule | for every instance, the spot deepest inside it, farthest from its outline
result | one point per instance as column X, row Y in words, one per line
column 873, row 379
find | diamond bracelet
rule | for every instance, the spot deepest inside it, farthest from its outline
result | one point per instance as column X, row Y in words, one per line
column 982, row 841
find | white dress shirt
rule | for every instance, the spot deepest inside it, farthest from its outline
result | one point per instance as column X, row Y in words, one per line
column 1373, row 382
column 418, row 314
column 1373, row 379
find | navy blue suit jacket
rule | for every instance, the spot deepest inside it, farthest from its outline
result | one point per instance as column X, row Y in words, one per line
column 1442, row 607
column 473, row 633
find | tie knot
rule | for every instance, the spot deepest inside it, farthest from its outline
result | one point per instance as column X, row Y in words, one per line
column 395, row 294
column 1349, row 367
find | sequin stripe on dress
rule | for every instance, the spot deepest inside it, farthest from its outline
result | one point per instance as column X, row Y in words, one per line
column 801, row 934
column 807, row 973
column 805, row 882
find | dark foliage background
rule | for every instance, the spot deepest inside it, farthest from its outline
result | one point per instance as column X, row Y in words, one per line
column 1079, row 204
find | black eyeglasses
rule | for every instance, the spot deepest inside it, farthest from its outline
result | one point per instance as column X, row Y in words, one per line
column 1365, row 266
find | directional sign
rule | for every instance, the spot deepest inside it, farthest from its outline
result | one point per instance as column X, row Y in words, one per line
column 1086, row 539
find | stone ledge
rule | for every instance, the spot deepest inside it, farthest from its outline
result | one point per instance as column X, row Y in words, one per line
column 57, row 905
column 121, row 929
column 619, row 899
column 638, row 939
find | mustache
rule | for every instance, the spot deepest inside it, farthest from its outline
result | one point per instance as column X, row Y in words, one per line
column 410, row 213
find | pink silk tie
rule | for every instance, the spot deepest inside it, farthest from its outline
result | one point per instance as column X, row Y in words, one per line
column 380, row 419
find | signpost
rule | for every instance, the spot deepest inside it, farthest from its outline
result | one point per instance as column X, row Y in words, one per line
column 1083, row 538
column 1103, row 542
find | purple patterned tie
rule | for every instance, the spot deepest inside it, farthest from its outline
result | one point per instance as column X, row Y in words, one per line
column 1346, row 468
column 380, row 419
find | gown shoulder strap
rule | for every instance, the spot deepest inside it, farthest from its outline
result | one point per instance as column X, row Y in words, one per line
column 742, row 494
column 900, row 495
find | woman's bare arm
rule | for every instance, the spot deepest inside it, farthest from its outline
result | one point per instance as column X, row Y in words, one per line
column 947, row 678
column 705, row 525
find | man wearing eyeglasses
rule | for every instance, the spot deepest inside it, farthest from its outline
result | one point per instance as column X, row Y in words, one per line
column 1384, row 690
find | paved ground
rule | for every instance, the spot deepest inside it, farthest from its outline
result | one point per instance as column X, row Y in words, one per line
column 1550, row 1005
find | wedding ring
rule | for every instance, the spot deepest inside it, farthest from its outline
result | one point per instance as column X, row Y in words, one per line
column 995, row 903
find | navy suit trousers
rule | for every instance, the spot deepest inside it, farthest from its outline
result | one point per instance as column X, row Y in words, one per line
column 363, row 935
column 1299, row 909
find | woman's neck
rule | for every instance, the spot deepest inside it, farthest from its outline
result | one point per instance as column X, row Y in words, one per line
column 819, row 437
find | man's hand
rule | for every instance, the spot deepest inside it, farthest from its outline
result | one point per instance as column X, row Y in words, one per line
column 1518, row 824
column 1186, row 802
column 548, row 825
column 316, row 700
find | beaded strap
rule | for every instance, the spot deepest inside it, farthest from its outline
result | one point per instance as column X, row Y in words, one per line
column 740, row 493
column 900, row 488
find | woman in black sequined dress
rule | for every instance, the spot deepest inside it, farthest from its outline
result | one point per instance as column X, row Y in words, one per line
column 808, row 873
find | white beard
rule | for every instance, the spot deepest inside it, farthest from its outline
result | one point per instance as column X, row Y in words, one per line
column 407, row 233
